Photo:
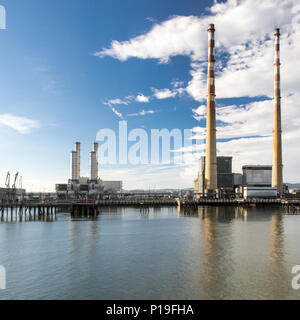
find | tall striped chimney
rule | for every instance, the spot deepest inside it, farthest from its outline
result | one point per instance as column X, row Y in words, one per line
column 211, row 153
column 277, row 145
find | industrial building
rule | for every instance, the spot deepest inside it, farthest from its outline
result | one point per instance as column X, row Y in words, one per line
column 91, row 185
column 12, row 192
column 11, row 195
column 226, row 179
column 257, row 176
column 257, row 182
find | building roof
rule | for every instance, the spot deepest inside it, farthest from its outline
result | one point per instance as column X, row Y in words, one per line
column 257, row 167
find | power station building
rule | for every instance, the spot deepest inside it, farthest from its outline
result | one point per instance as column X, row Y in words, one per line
column 226, row 179
column 257, row 182
column 86, row 185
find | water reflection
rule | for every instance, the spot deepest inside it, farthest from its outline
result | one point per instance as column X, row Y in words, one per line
column 220, row 270
column 216, row 251
column 202, row 253
column 277, row 259
column 13, row 217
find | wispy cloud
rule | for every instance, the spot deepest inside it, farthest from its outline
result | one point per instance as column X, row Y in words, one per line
column 116, row 101
column 21, row 124
column 127, row 100
column 116, row 112
column 142, row 113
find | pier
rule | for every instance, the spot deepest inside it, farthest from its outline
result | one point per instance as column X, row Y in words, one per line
column 82, row 208
column 35, row 211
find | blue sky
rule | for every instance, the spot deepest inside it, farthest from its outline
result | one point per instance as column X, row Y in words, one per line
column 61, row 75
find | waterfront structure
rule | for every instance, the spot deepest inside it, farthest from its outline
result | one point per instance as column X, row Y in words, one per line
column 211, row 150
column 86, row 185
column 257, row 175
column 115, row 186
column 257, row 182
column 226, row 179
column 277, row 143
column 209, row 180
column 259, row 192
column 12, row 194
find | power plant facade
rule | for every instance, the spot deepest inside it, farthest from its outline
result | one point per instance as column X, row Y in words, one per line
column 226, row 179
column 211, row 149
column 277, row 143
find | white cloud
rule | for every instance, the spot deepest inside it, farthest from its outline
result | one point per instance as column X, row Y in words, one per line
column 164, row 93
column 176, row 36
column 116, row 101
column 236, row 22
column 199, row 113
column 142, row 113
column 177, row 83
column 141, row 98
column 21, row 124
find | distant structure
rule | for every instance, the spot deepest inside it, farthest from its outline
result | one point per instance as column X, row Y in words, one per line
column 12, row 192
column 277, row 143
column 211, row 153
column 78, row 185
column 75, row 162
column 94, row 162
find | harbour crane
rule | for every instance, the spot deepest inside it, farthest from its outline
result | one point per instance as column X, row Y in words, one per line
column 16, row 177
column 7, row 181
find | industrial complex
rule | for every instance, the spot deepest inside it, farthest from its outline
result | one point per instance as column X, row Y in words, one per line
column 92, row 185
column 215, row 177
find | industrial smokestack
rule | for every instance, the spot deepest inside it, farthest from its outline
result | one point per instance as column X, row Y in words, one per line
column 95, row 149
column 77, row 150
column 73, row 167
column 94, row 162
column 211, row 153
column 93, row 174
column 277, row 144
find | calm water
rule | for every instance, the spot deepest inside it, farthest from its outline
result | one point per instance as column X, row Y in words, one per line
column 213, row 253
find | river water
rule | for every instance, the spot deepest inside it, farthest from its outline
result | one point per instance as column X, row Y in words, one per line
column 210, row 253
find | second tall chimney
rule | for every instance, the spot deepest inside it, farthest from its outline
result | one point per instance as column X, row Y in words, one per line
column 77, row 150
column 94, row 162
